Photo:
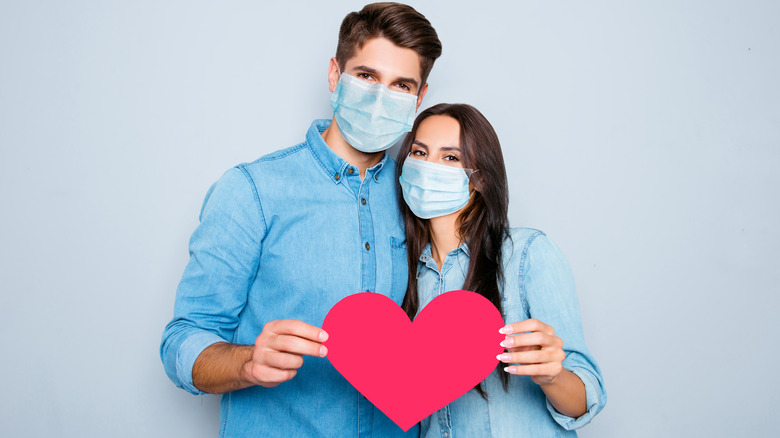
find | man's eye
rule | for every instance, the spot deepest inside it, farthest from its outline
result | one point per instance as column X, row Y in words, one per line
column 365, row 76
column 405, row 87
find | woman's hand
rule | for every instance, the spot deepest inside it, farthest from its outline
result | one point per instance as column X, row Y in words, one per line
column 538, row 351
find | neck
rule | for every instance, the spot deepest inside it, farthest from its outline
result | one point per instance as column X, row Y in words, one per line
column 444, row 236
column 336, row 142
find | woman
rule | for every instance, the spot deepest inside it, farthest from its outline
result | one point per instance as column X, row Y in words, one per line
column 455, row 200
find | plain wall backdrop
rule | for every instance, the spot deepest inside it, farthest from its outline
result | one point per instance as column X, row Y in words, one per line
column 643, row 137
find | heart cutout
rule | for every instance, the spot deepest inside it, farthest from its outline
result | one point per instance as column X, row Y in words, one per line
column 409, row 370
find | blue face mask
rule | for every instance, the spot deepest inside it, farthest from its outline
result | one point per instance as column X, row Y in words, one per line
column 433, row 190
column 370, row 116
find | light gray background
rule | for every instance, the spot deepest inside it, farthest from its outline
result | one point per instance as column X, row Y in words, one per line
column 641, row 136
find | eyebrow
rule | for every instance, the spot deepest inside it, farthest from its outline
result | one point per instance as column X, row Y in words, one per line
column 374, row 72
column 443, row 148
column 419, row 143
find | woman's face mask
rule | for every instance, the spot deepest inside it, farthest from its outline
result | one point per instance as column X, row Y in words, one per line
column 432, row 189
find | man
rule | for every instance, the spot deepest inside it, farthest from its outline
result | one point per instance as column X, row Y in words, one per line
column 284, row 238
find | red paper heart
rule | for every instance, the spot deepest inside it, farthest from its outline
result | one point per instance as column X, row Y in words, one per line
column 410, row 370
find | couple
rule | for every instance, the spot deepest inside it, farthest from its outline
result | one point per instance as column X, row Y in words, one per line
column 284, row 238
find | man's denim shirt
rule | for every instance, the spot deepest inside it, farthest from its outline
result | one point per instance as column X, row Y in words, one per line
column 286, row 237
column 538, row 283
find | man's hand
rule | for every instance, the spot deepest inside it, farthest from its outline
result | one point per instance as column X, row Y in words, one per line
column 275, row 358
column 279, row 351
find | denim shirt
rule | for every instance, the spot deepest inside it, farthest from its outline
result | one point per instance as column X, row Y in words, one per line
column 538, row 283
column 286, row 237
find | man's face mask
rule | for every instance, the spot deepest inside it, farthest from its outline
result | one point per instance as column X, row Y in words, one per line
column 371, row 117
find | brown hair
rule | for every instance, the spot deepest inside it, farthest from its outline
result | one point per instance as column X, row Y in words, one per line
column 399, row 23
column 483, row 223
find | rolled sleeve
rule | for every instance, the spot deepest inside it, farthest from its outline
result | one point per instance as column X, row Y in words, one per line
column 224, row 257
column 183, row 355
column 595, row 399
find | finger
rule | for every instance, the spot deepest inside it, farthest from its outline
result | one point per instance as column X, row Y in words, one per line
column 282, row 361
column 297, row 328
column 269, row 376
column 528, row 339
column 525, row 348
column 529, row 325
column 533, row 357
column 295, row 345
column 547, row 369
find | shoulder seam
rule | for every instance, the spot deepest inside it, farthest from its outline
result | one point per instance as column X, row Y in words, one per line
column 273, row 156
column 288, row 152
column 252, row 186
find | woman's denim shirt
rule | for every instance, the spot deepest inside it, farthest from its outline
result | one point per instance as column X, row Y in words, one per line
column 538, row 283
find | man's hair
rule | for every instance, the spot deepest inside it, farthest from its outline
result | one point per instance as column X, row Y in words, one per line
column 399, row 23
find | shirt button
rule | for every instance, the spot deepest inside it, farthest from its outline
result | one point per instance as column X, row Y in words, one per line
column 363, row 201
column 337, row 177
column 351, row 171
column 368, row 247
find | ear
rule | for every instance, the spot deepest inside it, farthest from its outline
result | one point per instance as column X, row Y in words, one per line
column 476, row 182
column 333, row 74
column 420, row 96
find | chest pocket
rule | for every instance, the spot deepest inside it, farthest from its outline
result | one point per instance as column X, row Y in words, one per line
column 400, row 269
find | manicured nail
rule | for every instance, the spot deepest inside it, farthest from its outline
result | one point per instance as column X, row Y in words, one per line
column 507, row 342
column 505, row 330
column 509, row 370
column 323, row 351
column 323, row 336
column 504, row 357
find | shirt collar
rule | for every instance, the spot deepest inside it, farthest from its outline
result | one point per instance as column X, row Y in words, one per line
column 427, row 256
column 334, row 166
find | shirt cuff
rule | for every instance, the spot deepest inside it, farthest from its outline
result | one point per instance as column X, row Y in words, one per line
column 595, row 399
column 189, row 350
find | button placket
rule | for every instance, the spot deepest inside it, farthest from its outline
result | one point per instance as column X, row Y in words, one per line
column 366, row 233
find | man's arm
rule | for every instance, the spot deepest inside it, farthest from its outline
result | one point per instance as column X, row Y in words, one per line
column 275, row 358
column 225, row 252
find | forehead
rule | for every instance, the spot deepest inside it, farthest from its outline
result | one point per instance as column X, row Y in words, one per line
column 389, row 60
column 438, row 131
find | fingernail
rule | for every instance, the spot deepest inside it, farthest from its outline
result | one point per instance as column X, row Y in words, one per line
column 323, row 336
column 509, row 370
column 504, row 357
column 323, row 351
column 505, row 330
column 507, row 342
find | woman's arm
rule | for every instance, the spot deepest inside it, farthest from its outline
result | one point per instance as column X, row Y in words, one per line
column 568, row 374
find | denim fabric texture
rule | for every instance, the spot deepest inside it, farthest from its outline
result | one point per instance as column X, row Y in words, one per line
column 538, row 283
column 288, row 236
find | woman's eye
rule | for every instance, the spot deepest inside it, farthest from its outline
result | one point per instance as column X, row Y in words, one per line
column 418, row 153
column 451, row 158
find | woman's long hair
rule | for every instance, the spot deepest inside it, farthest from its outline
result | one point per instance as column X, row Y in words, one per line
column 482, row 223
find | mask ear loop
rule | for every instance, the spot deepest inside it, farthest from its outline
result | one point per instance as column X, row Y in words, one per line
column 469, row 174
